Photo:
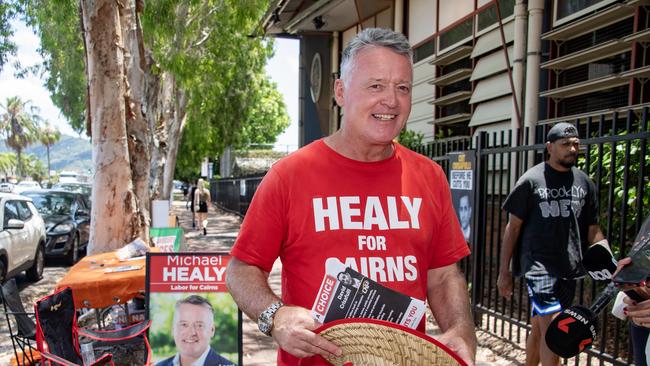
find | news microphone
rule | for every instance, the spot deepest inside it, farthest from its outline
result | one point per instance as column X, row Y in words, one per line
column 575, row 328
column 599, row 261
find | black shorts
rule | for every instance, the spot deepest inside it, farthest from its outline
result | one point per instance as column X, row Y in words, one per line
column 203, row 207
column 548, row 294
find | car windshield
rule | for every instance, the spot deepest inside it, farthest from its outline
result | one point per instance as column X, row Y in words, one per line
column 72, row 187
column 52, row 203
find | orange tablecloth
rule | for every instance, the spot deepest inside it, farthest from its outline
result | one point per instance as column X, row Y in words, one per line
column 94, row 287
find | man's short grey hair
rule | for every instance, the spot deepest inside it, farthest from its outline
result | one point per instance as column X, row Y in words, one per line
column 193, row 300
column 374, row 37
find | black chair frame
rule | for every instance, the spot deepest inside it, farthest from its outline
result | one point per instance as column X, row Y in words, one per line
column 56, row 313
column 23, row 335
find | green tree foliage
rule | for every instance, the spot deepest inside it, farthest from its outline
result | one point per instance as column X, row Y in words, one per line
column 212, row 49
column 19, row 123
column 204, row 44
column 623, row 200
column 33, row 167
column 58, row 26
column 410, row 139
column 7, row 163
column 7, row 46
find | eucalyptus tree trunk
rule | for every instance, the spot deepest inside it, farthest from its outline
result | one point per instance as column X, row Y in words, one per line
column 137, row 129
column 162, row 93
column 174, row 134
column 171, row 107
column 116, row 213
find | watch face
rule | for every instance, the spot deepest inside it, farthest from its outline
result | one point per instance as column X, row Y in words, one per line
column 264, row 328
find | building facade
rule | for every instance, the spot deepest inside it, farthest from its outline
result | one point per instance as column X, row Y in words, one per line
column 480, row 65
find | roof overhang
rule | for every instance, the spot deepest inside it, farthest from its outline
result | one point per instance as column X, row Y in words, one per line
column 308, row 16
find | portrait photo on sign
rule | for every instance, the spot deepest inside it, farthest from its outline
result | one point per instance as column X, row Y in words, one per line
column 187, row 327
column 194, row 319
column 461, row 184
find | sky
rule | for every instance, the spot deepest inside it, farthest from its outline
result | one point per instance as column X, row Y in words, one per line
column 282, row 68
column 31, row 87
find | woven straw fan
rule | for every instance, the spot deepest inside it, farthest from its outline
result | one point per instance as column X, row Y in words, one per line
column 379, row 343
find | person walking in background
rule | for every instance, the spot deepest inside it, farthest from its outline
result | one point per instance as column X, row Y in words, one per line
column 186, row 194
column 202, row 199
column 553, row 219
column 338, row 196
column 192, row 207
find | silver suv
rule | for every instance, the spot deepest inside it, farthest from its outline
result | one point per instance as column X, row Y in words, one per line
column 22, row 238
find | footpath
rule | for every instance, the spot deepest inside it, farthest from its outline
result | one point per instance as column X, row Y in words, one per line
column 259, row 350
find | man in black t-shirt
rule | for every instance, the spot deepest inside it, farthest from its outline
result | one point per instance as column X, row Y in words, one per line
column 553, row 219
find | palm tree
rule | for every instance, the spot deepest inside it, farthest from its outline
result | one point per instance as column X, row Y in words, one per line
column 49, row 136
column 7, row 163
column 19, row 123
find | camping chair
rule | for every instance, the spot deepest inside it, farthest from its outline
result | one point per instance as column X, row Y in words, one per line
column 25, row 330
column 57, row 335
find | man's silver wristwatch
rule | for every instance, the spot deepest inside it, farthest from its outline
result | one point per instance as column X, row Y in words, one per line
column 265, row 321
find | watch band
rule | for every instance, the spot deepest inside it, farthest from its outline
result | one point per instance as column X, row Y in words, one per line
column 265, row 320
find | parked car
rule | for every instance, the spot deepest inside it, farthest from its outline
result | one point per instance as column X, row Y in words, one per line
column 6, row 187
column 22, row 238
column 67, row 222
column 83, row 188
column 177, row 187
column 26, row 185
column 68, row 177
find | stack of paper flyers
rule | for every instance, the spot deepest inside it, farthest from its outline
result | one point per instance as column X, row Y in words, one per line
column 346, row 293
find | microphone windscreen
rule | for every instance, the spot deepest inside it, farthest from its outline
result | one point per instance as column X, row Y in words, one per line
column 572, row 331
column 599, row 262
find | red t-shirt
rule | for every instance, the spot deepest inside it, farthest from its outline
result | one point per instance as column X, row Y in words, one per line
column 391, row 220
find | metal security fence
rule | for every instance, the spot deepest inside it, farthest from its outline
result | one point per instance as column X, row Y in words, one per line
column 614, row 153
column 234, row 194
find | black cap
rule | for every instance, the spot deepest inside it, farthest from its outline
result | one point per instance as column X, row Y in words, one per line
column 560, row 131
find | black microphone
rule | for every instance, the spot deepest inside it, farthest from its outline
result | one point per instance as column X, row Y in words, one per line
column 575, row 328
column 599, row 262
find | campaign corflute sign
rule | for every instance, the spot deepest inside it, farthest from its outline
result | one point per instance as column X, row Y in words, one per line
column 188, row 273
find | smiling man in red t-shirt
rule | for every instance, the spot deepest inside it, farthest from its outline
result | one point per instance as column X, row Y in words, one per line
column 361, row 198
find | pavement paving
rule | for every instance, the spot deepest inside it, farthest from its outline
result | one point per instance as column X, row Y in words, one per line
column 259, row 350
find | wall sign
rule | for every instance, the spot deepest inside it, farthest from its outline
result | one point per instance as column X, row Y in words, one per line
column 315, row 77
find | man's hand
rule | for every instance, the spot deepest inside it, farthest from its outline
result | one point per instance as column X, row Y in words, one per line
column 293, row 330
column 457, row 344
column 504, row 284
column 510, row 237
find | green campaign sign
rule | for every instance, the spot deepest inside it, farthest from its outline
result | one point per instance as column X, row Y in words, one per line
column 168, row 239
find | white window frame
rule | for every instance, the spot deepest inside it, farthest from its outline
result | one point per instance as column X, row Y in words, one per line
column 568, row 18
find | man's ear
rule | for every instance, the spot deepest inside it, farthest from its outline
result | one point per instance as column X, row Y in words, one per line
column 338, row 92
